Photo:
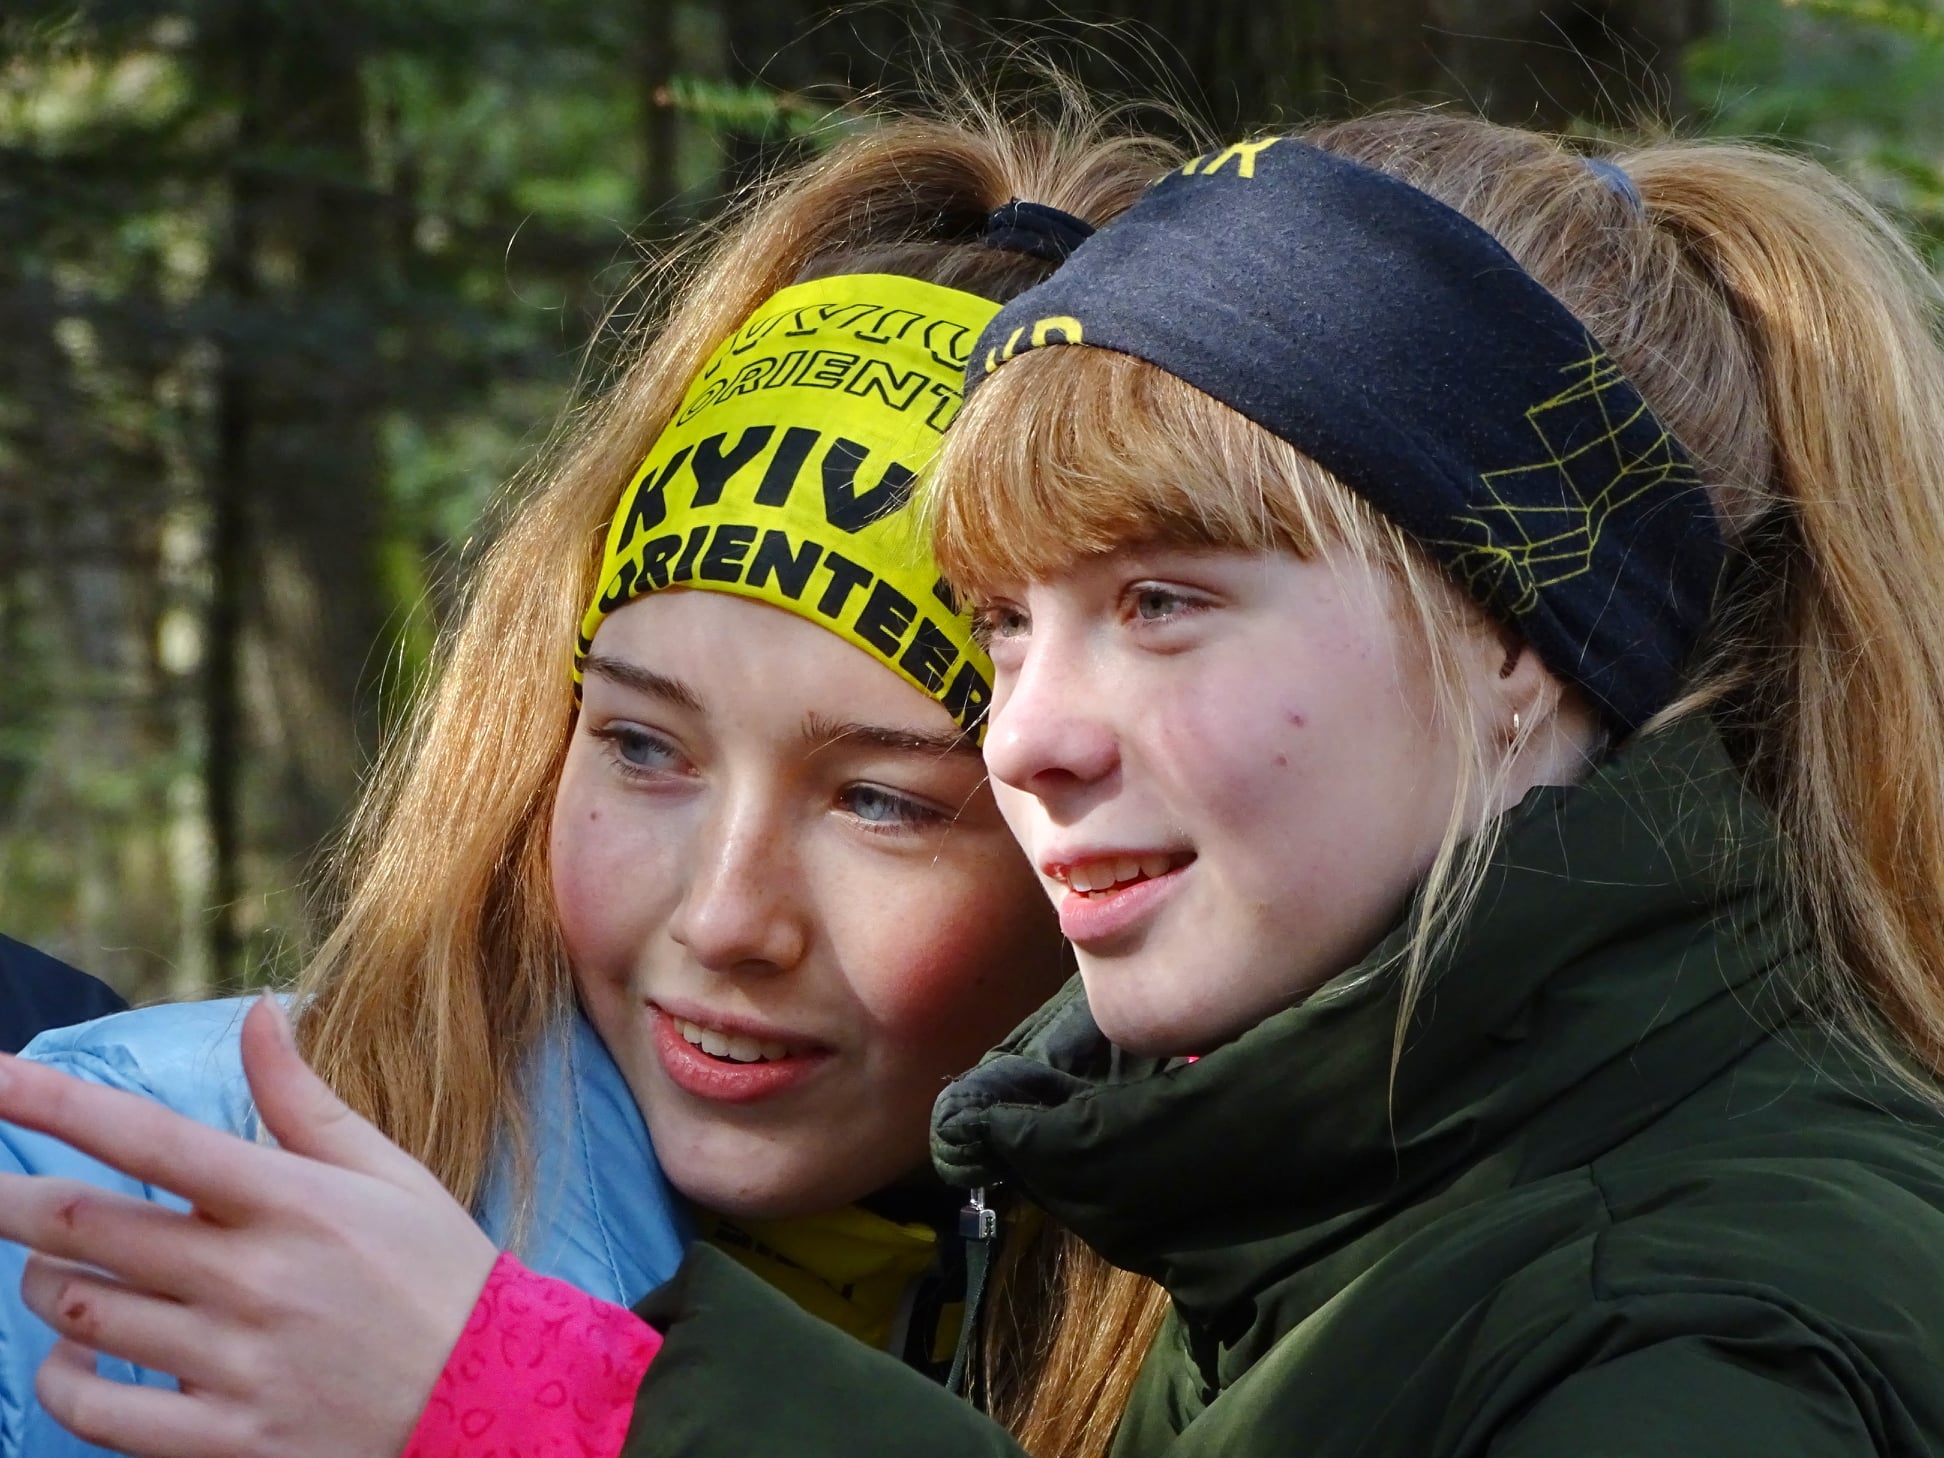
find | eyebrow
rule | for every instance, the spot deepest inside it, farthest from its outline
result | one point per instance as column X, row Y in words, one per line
column 824, row 733
column 646, row 681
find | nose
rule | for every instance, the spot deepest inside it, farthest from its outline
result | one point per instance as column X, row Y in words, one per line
column 1047, row 731
column 742, row 909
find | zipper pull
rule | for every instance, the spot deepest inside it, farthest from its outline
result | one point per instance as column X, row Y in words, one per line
column 977, row 1220
column 978, row 1226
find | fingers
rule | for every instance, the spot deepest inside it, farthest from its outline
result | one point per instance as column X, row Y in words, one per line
column 143, row 1244
column 219, row 1173
column 101, row 1314
column 144, row 1422
column 302, row 1112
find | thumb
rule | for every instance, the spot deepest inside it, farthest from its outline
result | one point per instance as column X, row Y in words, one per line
column 300, row 1110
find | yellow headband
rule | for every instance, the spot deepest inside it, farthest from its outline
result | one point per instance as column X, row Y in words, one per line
column 787, row 472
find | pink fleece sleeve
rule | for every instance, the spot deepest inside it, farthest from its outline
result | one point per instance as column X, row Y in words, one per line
column 543, row 1370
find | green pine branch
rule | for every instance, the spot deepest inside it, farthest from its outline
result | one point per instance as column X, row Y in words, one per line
column 727, row 106
column 1923, row 21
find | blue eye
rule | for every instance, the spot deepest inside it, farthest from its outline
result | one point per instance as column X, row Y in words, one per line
column 637, row 751
column 1154, row 604
column 885, row 809
column 996, row 621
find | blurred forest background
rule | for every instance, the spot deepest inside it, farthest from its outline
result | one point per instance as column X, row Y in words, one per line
column 289, row 288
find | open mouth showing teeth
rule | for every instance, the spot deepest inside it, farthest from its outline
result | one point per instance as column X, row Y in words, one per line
column 730, row 1047
column 1097, row 879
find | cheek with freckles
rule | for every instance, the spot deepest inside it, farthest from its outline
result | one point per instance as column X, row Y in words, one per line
column 592, row 850
column 577, row 857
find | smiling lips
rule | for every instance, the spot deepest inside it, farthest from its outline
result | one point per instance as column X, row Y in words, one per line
column 736, row 1047
column 1105, row 874
column 1111, row 895
column 730, row 1065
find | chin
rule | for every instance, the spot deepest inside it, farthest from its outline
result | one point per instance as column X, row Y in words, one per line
column 747, row 1204
column 1122, row 996
column 745, row 1195
column 726, row 1180
column 742, row 1186
column 1140, row 1032
column 1158, row 1027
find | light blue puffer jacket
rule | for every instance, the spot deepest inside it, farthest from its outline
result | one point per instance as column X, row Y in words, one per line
column 603, row 1216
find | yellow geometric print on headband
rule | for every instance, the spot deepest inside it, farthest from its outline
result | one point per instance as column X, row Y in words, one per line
column 1518, row 551
column 786, row 476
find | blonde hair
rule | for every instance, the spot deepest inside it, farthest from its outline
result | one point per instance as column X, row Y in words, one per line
column 1064, row 1335
column 445, row 964
column 1785, row 333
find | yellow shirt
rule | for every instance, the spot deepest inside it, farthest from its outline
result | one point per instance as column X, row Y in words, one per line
column 855, row 1269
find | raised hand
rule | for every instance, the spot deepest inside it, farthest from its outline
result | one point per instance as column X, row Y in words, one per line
column 306, row 1304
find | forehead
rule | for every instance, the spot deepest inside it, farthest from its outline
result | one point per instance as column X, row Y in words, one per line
column 1183, row 563
column 760, row 665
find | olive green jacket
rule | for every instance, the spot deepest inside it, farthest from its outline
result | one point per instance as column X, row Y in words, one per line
column 1625, row 1195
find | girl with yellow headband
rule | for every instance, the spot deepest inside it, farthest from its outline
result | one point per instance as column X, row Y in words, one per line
column 690, row 841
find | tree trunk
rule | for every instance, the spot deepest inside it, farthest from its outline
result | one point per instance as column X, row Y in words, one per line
column 297, row 612
column 660, row 134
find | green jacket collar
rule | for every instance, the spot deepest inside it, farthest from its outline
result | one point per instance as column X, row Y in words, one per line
column 1619, row 957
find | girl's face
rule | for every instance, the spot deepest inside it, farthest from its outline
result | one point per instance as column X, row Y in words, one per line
column 792, row 907
column 1226, row 770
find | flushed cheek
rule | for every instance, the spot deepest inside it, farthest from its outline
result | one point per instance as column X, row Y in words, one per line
column 925, row 992
column 941, row 1001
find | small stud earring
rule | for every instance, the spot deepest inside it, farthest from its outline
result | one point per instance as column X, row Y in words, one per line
column 1515, row 726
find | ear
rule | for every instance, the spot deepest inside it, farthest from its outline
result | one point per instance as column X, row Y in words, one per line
column 1515, row 690
column 1548, row 728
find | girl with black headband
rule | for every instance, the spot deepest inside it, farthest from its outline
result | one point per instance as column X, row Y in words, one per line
column 690, row 841
column 1466, row 628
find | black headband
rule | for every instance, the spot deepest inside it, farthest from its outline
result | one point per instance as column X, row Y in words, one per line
column 1030, row 227
column 1399, row 346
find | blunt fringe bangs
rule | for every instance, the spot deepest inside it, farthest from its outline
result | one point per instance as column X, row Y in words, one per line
column 1074, row 452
